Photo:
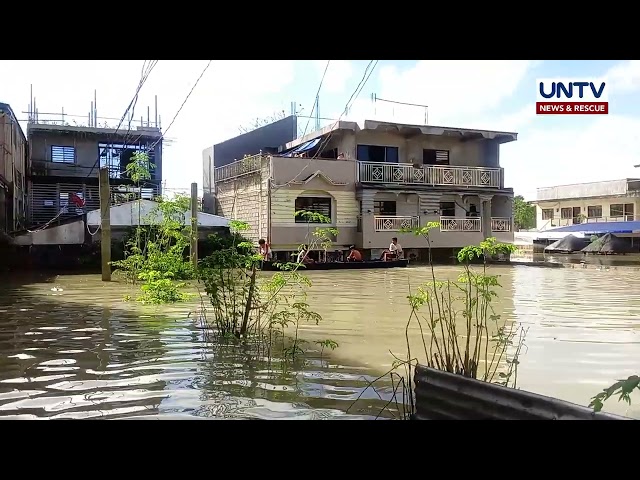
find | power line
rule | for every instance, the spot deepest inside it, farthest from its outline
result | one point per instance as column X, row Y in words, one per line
column 141, row 83
column 363, row 81
column 316, row 97
column 352, row 98
column 181, row 106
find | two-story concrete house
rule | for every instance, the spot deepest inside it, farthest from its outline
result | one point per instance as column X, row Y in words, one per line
column 13, row 160
column 372, row 182
column 64, row 164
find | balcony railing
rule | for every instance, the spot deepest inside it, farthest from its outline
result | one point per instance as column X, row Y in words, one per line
column 237, row 169
column 500, row 224
column 394, row 223
column 399, row 173
column 460, row 224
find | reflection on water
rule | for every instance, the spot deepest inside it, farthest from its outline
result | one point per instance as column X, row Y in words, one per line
column 83, row 353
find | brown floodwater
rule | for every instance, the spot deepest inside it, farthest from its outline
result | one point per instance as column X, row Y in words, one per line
column 82, row 352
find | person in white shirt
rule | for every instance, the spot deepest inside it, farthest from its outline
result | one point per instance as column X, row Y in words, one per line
column 265, row 250
column 393, row 252
column 303, row 255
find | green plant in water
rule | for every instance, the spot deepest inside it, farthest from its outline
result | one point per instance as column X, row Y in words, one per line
column 321, row 238
column 241, row 307
column 155, row 254
column 460, row 331
column 622, row 388
column 159, row 289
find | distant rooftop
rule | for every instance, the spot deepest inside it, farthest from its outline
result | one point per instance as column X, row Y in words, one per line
column 407, row 130
column 605, row 188
column 5, row 107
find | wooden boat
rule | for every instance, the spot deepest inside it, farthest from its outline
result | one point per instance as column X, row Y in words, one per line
column 269, row 266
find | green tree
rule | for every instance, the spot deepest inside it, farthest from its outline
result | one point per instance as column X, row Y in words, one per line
column 524, row 214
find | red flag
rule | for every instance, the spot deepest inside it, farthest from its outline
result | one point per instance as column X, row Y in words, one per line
column 76, row 200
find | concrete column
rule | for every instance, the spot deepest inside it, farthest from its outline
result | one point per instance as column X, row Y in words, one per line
column 485, row 212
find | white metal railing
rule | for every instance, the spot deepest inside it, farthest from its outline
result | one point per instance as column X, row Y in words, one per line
column 500, row 224
column 405, row 173
column 236, row 169
column 460, row 224
column 394, row 223
column 564, row 222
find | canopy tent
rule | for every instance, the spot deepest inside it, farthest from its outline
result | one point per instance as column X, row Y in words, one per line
column 568, row 244
column 608, row 244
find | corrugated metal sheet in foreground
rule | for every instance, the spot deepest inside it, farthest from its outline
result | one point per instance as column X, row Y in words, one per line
column 446, row 396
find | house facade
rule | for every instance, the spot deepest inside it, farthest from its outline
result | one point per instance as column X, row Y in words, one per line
column 371, row 183
column 594, row 202
column 64, row 163
column 13, row 161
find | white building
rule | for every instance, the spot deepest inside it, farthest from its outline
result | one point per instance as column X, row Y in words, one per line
column 607, row 201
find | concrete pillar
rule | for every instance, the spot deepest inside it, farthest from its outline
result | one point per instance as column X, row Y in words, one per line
column 485, row 212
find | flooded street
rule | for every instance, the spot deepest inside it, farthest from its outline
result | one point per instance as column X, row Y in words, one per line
column 83, row 353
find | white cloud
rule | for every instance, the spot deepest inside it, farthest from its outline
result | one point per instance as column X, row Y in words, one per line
column 624, row 77
column 605, row 148
column 338, row 74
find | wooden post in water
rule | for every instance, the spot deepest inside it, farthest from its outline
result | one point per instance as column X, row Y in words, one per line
column 194, row 224
column 105, row 224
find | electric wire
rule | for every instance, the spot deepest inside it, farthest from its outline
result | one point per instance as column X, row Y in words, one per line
column 316, row 97
column 354, row 96
column 181, row 106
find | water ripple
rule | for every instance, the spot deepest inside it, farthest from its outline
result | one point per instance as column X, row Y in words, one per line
column 85, row 354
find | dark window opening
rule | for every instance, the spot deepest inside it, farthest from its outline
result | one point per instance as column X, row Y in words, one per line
column 594, row 211
column 315, row 205
column 435, row 157
column 622, row 210
column 63, row 154
column 377, row 153
column 547, row 214
column 330, row 153
column 116, row 157
column 566, row 213
column 385, row 208
column 448, row 209
column 577, row 215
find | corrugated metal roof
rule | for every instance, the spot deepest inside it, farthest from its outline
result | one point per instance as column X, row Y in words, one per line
column 446, row 396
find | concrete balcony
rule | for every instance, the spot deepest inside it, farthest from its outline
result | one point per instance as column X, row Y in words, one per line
column 376, row 231
column 394, row 223
column 460, row 224
column 408, row 174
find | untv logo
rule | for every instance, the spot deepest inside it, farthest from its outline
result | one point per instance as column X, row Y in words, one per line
column 572, row 96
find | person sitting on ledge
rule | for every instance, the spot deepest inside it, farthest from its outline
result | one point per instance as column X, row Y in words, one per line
column 394, row 251
column 303, row 255
column 354, row 255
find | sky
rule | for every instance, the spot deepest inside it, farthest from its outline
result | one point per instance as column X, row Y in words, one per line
column 484, row 94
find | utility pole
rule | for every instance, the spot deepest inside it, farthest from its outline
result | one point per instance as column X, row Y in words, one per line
column 105, row 224
column 194, row 225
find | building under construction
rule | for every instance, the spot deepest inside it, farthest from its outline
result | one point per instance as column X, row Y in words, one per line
column 66, row 153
